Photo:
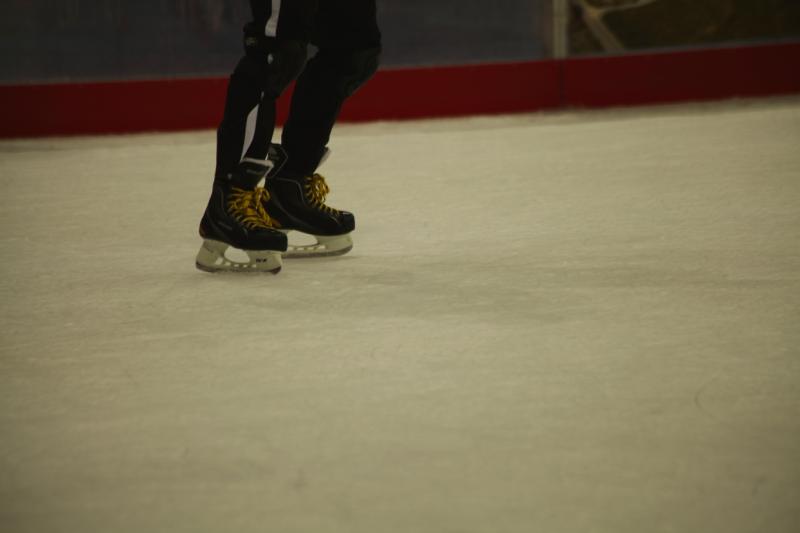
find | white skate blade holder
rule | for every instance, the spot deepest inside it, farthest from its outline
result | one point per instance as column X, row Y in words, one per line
column 216, row 256
column 325, row 245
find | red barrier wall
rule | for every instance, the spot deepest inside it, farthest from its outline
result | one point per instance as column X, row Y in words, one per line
column 682, row 76
column 181, row 104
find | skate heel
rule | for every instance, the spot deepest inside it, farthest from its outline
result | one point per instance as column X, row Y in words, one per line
column 326, row 246
column 212, row 258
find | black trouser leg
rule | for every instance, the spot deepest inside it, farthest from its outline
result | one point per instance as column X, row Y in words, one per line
column 348, row 38
column 248, row 121
column 275, row 44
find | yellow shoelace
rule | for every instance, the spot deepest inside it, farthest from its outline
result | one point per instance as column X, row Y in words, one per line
column 248, row 208
column 316, row 191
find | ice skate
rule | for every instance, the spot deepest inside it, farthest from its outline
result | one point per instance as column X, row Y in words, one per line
column 236, row 223
column 297, row 203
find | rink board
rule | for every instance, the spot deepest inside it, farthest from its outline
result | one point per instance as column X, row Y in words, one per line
column 408, row 93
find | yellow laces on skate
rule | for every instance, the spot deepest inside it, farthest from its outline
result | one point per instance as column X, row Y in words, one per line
column 248, row 208
column 316, row 191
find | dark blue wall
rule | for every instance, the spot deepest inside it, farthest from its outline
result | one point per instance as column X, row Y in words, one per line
column 77, row 40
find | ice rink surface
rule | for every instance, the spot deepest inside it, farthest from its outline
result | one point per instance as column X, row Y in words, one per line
column 572, row 322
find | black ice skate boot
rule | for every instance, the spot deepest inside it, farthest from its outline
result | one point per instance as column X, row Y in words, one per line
column 235, row 218
column 297, row 202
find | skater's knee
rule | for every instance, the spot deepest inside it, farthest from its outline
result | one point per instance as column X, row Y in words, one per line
column 273, row 63
column 344, row 70
column 285, row 64
column 359, row 66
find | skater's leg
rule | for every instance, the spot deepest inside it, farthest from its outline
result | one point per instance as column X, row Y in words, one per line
column 235, row 215
column 275, row 52
column 349, row 43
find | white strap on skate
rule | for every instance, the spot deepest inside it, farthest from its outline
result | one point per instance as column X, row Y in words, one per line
column 214, row 257
column 325, row 246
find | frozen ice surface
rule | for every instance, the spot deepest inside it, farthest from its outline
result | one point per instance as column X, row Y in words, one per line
column 585, row 321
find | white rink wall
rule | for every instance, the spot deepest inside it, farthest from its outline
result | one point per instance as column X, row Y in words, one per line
column 584, row 321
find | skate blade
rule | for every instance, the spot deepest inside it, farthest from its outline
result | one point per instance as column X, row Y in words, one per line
column 212, row 258
column 326, row 246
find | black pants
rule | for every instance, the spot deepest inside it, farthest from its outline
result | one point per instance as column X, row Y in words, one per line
column 346, row 44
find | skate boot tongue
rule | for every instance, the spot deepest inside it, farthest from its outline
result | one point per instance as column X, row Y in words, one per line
column 248, row 174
